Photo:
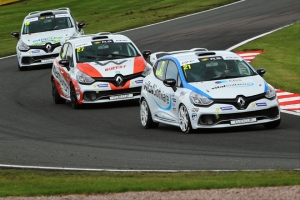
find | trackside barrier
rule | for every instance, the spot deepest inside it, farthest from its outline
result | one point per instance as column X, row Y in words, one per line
column 3, row 2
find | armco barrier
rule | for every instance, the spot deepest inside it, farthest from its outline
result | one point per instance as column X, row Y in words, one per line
column 3, row 2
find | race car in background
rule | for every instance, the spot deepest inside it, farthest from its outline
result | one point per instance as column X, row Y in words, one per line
column 42, row 34
column 198, row 88
column 98, row 68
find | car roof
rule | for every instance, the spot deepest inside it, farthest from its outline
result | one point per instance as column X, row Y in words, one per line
column 63, row 10
column 187, row 56
column 80, row 39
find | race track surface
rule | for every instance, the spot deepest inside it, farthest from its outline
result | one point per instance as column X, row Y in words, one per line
column 36, row 132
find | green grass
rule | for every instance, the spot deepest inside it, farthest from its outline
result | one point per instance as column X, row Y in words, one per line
column 281, row 57
column 36, row 182
column 105, row 15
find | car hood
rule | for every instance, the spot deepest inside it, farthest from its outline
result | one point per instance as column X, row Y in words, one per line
column 230, row 88
column 110, row 68
column 52, row 37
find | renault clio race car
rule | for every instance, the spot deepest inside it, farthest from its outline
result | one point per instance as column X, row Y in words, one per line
column 198, row 88
column 98, row 68
column 42, row 34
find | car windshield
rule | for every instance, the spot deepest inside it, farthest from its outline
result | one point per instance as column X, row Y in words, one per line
column 207, row 70
column 105, row 50
column 47, row 23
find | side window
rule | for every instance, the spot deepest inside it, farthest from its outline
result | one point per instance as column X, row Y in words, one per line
column 69, row 56
column 160, row 69
column 172, row 71
column 63, row 51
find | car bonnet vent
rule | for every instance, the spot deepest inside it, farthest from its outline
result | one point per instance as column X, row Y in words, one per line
column 205, row 53
column 99, row 37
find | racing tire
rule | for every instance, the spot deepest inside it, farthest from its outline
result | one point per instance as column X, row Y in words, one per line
column 184, row 120
column 271, row 125
column 55, row 95
column 74, row 102
column 22, row 68
column 146, row 117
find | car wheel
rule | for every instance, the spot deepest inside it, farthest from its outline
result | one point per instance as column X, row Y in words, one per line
column 271, row 125
column 146, row 117
column 21, row 68
column 55, row 95
column 184, row 120
column 73, row 98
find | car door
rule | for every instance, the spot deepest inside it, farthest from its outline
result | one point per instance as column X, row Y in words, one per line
column 64, row 76
column 163, row 96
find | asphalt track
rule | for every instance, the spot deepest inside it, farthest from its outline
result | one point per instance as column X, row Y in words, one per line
column 36, row 132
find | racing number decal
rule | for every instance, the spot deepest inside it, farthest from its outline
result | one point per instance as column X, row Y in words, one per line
column 80, row 49
column 186, row 67
column 161, row 69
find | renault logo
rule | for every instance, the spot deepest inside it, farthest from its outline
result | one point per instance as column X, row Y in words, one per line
column 48, row 47
column 119, row 80
column 241, row 101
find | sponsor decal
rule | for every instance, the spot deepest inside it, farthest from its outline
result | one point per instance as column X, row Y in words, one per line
column 182, row 93
column 211, row 58
column 117, row 72
column 226, row 108
column 194, row 116
column 157, row 92
column 102, row 85
column 111, row 61
column 45, row 40
column 195, row 109
column 261, row 104
column 138, row 81
column 234, row 85
column 115, row 67
column 253, row 105
column 103, row 42
column 225, row 81
column 174, row 100
column 188, row 62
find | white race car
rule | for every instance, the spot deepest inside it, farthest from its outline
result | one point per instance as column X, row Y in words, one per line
column 42, row 34
column 198, row 88
column 98, row 68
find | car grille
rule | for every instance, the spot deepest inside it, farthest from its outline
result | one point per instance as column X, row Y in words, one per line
column 37, row 59
column 114, row 81
column 43, row 47
column 210, row 119
column 92, row 95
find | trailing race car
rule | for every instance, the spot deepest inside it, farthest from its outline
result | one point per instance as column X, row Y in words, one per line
column 98, row 68
column 198, row 88
column 42, row 34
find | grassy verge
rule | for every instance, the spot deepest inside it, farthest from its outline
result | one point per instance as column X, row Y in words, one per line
column 281, row 57
column 100, row 16
column 33, row 183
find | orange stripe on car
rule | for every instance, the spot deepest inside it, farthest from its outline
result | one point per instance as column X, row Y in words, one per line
column 139, row 64
column 88, row 69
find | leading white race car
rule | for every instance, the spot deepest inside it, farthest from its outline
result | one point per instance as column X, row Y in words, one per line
column 98, row 68
column 198, row 88
column 42, row 34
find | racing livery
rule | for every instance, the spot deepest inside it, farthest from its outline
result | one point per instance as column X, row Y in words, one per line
column 198, row 88
column 98, row 68
column 42, row 34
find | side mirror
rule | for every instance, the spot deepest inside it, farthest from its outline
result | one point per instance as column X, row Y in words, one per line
column 81, row 25
column 16, row 35
column 65, row 63
column 170, row 82
column 146, row 54
column 261, row 71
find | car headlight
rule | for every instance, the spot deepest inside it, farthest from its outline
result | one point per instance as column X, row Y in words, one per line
column 84, row 78
column 22, row 46
column 270, row 94
column 147, row 70
column 198, row 99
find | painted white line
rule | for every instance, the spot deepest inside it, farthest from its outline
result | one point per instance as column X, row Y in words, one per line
column 184, row 16
column 290, row 106
column 283, row 93
column 289, row 99
column 290, row 112
column 119, row 170
column 8, row 56
column 248, row 54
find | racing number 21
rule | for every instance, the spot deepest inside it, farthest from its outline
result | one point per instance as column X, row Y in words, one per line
column 80, row 49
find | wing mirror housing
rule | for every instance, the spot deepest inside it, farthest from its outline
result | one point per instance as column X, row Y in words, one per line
column 16, row 35
column 261, row 71
column 81, row 25
column 146, row 54
column 65, row 63
column 170, row 82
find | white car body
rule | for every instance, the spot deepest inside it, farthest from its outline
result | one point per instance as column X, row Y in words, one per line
column 42, row 34
column 191, row 103
column 101, row 68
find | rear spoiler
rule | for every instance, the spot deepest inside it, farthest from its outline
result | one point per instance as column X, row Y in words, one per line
column 157, row 55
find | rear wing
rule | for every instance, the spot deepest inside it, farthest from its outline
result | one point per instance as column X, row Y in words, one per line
column 157, row 55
